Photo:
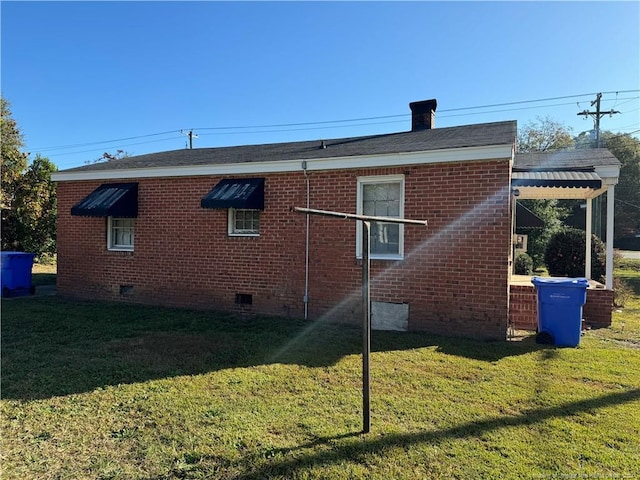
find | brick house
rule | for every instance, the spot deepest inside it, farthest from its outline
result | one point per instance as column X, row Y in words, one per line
column 214, row 228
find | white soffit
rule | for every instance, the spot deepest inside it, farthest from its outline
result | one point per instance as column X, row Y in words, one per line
column 452, row 155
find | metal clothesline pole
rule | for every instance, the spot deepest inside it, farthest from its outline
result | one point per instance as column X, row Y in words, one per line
column 352, row 216
column 366, row 295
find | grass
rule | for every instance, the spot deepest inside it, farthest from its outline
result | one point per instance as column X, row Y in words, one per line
column 43, row 274
column 113, row 391
column 625, row 326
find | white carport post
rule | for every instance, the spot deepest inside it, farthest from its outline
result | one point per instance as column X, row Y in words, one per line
column 610, row 210
column 587, row 255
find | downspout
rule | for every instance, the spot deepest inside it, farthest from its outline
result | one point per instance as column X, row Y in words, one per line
column 306, row 259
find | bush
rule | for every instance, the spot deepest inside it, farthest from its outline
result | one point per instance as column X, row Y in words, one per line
column 618, row 259
column 565, row 255
column 622, row 292
column 523, row 264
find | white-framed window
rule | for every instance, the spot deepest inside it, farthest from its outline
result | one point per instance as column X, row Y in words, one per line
column 120, row 233
column 382, row 196
column 244, row 222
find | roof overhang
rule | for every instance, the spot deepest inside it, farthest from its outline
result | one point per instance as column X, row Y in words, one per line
column 449, row 155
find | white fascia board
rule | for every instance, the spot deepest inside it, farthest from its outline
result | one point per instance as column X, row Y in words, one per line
column 609, row 174
column 336, row 163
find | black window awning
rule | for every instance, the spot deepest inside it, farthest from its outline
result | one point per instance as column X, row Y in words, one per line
column 244, row 193
column 109, row 200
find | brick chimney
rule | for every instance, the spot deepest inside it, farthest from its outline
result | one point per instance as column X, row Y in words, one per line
column 423, row 115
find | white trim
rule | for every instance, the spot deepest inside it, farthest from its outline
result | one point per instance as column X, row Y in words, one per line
column 368, row 181
column 609, row 244
column 589, row 232
column 447, row 155
column 231, row 223
column 119, row 248
column 609, row 174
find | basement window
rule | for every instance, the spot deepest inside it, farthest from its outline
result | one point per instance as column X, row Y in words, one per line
column 120, row 234
column 244, row 222
column 382, row 196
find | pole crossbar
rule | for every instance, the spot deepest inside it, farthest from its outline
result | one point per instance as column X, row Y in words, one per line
column 364, row 218
column 366, row 294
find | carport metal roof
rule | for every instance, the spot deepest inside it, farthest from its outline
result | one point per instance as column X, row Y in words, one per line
column 571, row 174
column 565, row 174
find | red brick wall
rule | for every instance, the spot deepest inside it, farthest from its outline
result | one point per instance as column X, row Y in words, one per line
column 454, row 275
column 523, row 311
column 523, row 308
column 598, row 310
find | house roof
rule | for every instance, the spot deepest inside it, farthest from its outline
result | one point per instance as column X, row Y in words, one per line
column 581, row 159
column 479, row 135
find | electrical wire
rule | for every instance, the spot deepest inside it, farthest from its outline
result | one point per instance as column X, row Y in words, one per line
column 126, row 145
column 61, row 147
column 302, row 129
column 333, row 123
column 627, row 203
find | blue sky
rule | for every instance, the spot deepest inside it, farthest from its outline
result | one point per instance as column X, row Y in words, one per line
column 85, row 73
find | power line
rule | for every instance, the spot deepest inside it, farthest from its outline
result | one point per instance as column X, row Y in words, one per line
column 333, row 122
column 126, row 145
column 302, row 129
column 62, row 147
column 627, row 203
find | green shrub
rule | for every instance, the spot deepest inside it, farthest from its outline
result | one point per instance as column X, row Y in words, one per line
column 565, row 254
column 618, row 259
column 622, row 292
column 523, row 264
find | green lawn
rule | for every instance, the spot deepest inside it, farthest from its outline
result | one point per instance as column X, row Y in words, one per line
column 43, row 274
column 113, row 391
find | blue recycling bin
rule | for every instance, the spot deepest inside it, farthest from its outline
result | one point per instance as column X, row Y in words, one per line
column 16, row 274
column 560, row 302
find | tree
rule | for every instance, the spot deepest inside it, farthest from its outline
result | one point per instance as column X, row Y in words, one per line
column 14, row 162
column 35, row 208
column 28, row 195
column 553, row 215
column 544, row 134
column 627, row 193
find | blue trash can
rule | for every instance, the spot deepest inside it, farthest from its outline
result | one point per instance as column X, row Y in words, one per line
column 16, row 274
column 560, row 302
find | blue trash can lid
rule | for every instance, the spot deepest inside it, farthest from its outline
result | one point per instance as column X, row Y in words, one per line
column 560, row 282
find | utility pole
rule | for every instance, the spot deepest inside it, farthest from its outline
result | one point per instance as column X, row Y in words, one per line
column 597, row 115
column 191, row 137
